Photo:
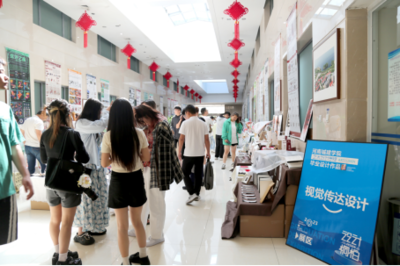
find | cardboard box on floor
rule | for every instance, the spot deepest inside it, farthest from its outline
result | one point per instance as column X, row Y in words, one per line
column 288, row 218
column 39, row 205
column 264, row 226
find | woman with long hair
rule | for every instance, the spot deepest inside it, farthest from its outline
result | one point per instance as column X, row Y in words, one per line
column 230, row 138
column 62, row 204
column 125, row 148
column 163, row 169
column 92, row 217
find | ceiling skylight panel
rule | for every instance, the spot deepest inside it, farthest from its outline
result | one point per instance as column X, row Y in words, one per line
column 172, row 9
column 336, row 2
column 189, row 16
column 328, row 12
column 200, row 7
column 185, row 8
column 177, row 19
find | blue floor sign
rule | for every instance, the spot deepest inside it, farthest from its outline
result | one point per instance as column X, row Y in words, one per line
column 337, row 204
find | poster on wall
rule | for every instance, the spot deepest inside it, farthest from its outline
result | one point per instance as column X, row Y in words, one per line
column 105, row 92
column 75, row 90
column 291, row 34
column 132, row 96
column 91, row 86
column 394, row 86
column 329, row 211
column 138, row 97
column 162, row 105
column 266, row 91
column 307, row 121
column 326, row 74
column 150, row 96
column 277, row 76
column 53, row 81
column 20, row 87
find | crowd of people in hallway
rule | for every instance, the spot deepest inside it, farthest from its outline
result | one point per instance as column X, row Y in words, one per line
column 146, row 155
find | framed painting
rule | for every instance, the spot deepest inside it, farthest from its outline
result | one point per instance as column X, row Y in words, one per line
column 326, row 68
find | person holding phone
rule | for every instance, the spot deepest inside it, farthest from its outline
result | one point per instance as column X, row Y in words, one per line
column 230, row 138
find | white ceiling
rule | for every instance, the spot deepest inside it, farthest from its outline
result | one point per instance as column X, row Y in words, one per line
column 111, row 23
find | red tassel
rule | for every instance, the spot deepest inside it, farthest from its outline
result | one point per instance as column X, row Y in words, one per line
column 154, row 76
column 237, row 29
column 85, row 39
column 168, row 83
column 129, row 62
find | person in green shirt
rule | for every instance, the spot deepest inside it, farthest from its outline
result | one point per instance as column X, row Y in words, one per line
column 10, row 151
column 230, row 137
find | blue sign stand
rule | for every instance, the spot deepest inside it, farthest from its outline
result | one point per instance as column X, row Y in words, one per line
column 337, row 204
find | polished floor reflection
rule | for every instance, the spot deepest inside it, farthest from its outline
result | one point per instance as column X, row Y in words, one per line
column 192, row 236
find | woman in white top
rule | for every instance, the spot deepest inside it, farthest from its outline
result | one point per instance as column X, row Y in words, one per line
column 125, row 148
column 92, row 217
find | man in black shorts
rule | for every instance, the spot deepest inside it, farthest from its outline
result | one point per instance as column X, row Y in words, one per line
column 176, row 124
column 10, row 151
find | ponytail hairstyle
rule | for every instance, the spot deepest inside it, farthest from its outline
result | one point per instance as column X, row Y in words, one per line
column 59, row 115
column 125, row 145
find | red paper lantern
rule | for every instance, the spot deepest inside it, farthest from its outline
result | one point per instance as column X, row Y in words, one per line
column 85, row 22
column 236, row 10
column 153, row 67
column 196, row 95
column 167, row 76
column 235, row 73
column 235, row 62
column 200, row 97
column 192, row 92
column 235, row 81
column 128, row 51
column 186, row 88
column 236, row 44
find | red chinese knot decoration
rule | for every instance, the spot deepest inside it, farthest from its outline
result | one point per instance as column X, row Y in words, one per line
column 235, row 62
column 153, row 67
column 196, row 95
column 167, row 76
column 192, row 92
column 200, row 97
column 236, row 10
column 235, row 73
column 235, row 81
column 128, row 51
column 85, row 22
column 186, row 88
column 236, row 44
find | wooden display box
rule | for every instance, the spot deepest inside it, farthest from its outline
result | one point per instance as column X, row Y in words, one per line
column 291, row 194
column 39, row 205
column 264, row 226
column 288, row 218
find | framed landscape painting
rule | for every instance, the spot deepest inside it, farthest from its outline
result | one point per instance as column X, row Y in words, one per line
column 326, row 66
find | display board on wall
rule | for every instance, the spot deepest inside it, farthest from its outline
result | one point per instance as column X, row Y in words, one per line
column 20, row 87
column 335, row 217
column 105, row 92
column 91, row 87
column 75, row 90
column 394, row 86
column 53, row 81
column 138, row 97
column 277, row 76
column 132, row 96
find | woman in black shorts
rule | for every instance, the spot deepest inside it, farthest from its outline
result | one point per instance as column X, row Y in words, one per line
column 62, row 204
column 125, row 148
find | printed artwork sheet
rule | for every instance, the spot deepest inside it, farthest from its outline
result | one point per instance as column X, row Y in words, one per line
column 105, row 92
column 75, row 90
column 53, row 81
column 91, row 86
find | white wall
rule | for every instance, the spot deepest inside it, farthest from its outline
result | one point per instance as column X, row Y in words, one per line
column 18, row 32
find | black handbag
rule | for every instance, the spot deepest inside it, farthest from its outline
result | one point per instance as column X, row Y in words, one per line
column 63, row 174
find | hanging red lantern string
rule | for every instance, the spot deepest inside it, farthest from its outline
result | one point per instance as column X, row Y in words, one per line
column 236, row 62
column 186, row 88
column 200, row 97
column 85, row 22
column 167, row 76
column 235, row 81
column 235, row 73
column 128, row 51
column 153, row 67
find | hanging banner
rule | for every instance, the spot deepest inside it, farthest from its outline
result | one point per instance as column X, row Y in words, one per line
column 266, row 91
column 75, row 90
column 138, row 97
column 277, row 76
column 91, row 87
column 105, row 92
column 150, row 96
column 132, row 96
column 337, row 205
column 20, row 88
column 394, row 86
column 161, row 105
column 53, row 81
column 292, row 76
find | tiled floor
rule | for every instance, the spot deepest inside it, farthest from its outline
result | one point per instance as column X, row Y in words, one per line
column 192, row 236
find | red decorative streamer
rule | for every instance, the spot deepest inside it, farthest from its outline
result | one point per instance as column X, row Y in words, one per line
column 237, row 34
column 153, row 67
column 128, row 51
column 167, row 76
column 85, row 22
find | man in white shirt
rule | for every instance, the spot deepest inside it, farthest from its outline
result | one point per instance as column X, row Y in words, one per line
column 219, row 149
column 32, row 130
column 194, row 133
column 209, row 122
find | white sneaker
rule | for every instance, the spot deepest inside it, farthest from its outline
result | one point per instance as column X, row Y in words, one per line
column 223, row 166
column 132, row 233
column 191, row 199
column 198, row 198
column 152, row 242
